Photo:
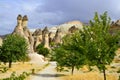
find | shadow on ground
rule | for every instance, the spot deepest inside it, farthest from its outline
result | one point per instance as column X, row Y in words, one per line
column 49, row 75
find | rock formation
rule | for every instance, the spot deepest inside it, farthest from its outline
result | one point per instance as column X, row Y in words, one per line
column 19, row 29
column 58, row 37
column 1, row 41
column 72, row 29
column 66, row 26
column 22, row 30
column 37, row 37
column 51, row 37
column 45, row 36
column 115, row 27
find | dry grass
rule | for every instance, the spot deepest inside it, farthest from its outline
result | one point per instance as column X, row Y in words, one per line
column 20, row 67
column 89, row 76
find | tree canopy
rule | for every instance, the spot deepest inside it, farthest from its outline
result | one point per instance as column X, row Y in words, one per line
column 42, row 50
column 14, row 48
column 93, row 45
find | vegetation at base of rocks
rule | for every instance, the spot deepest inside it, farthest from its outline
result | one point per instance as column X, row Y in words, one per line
column 42, row 50
column 14, row 48
column 93, row 46
column 16, row 77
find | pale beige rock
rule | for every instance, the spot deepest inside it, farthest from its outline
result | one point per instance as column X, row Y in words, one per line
column 45, row 33
column 65, row 27
column 1, row 41
column 22, row 30
column 58, row 37
column 19, row 29
column 73, row 29
column 51, row 36
column 24, row 21
column 37, row 37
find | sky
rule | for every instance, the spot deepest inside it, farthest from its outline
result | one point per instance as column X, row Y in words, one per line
column 43, row 13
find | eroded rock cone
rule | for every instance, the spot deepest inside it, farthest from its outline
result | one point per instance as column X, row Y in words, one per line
column 19, row 29
column 22, row 30
column 45, row 36
column 37, row 38
column 1, row 41
column 57, row 38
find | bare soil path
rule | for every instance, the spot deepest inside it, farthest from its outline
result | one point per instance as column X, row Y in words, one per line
column 49, row 73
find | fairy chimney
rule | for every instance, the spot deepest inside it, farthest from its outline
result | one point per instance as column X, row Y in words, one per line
column 18, row 29
column 51, row 36
column 22, row 30
column 1, row 41
column 45, row 33
column 37, row 38
column 57, row 38
column 24, row 21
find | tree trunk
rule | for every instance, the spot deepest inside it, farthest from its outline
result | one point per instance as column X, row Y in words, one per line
column 10, row 63
column 72, row 70
column 104, row 73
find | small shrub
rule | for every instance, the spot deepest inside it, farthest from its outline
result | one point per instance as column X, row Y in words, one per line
column 15, row 77
column 33, row 71
column 113, row 67
column 118, row 71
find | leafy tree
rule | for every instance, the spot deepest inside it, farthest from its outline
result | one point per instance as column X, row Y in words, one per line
column 69, row 53
column 14, row 48
column 42, row 50
column 101, row 45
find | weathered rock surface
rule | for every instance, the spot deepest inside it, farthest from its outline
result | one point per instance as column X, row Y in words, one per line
column 22, row 29
column 37, row 37
column 58, row 37
column 1, row 41
column 45, row 36
column 66, row 26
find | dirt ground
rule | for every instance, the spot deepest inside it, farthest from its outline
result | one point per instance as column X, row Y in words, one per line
column 20, row 67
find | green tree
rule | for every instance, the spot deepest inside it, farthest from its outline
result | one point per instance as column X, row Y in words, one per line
column 69, row 53
column 101, row 45
column 42, row 50
column 14, row 48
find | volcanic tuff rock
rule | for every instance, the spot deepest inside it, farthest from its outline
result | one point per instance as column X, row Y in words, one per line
column 22, row 30
column 58, row 37
column 45, row 36
column 66, row 26
column 1, row 41
column 37, row 37
column 115, row 27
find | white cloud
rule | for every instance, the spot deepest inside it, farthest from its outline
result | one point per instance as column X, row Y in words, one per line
column 53, row 11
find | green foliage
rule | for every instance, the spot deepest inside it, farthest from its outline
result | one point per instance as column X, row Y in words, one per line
column 42, row 50
column 94, row 45
column 101, row 45
column 4, row 69
column 15, row 77
column 71, row 53
column 118, row 71
column 14, row 48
